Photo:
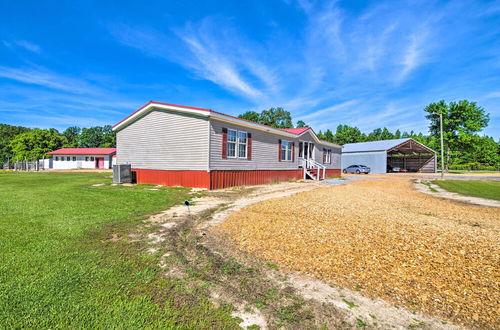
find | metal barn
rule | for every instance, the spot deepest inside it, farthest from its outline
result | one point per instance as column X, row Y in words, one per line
column 384, row 156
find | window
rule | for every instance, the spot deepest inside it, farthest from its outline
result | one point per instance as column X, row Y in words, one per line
column 286, row 150
column 74, row 158
column 242, row 144
column 86, row 158
column 327, row 156
column 68, row 158
column 57, row 158
column 91, row 159
column 231, row 143
column 237, row 144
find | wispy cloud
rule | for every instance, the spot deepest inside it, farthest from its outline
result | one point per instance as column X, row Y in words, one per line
column 211, row 65
column 26, row 45
column 374, row 57
column 322, row 113
column 48, row 79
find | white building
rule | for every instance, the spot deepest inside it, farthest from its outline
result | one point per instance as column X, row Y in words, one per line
column 82, row 158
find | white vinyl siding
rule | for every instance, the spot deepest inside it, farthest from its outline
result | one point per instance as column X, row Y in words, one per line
column 165, row 140
column 264, row 150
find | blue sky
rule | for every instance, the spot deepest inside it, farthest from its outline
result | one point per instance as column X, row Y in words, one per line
column 362, row 63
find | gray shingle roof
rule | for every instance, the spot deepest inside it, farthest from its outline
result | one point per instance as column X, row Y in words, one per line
column 373, row 145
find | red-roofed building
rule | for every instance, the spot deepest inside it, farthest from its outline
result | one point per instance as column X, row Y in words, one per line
column 176, row 145
column 82, row 158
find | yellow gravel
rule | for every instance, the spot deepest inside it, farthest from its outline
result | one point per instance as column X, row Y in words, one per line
column 387, row 240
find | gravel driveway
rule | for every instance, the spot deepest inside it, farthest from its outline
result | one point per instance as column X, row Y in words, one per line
column 384, row 239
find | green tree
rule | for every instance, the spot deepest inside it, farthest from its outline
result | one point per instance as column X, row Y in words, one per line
column 276, row 117
column 251, row 115
column 374, row 135
column 484, row 150
column 329, row 136
column 72, row 134
column 36, row 143
column 7, row 133
column 397, row 134
column 97, row 137
column 386, row 135
column 348, row 134
column 461, row 122
column 301, row 124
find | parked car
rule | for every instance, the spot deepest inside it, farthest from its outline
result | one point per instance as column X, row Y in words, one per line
column 391, row 169
column 358, row 169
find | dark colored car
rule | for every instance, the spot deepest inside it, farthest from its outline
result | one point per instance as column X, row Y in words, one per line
column 358, row 169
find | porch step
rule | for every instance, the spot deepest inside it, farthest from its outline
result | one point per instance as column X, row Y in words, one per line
column 312, row 174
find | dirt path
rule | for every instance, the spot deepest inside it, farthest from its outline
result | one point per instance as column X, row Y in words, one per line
column 427, row 187
column 261, row 293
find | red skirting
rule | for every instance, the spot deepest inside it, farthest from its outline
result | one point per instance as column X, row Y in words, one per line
column 330, row 173
column 193, row 179
column 219, row 179
column 225, row 179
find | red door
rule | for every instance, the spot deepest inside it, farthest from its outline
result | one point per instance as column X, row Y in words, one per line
column 99, row 162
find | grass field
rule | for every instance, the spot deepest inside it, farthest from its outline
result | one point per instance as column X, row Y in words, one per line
column 484, row 189
column 63, row 264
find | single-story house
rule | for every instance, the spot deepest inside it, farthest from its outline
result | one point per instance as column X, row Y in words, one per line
column 177, row 145
column 82, row 158
column 402, row 155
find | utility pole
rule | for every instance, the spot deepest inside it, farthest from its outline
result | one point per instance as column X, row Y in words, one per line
column 442, row 145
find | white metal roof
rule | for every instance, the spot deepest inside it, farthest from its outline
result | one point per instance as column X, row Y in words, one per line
column 381, row 145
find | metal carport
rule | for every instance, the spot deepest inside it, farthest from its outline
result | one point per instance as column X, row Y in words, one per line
column 381, row 156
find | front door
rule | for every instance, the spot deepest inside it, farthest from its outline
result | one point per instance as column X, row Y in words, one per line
column 99, row 162
column 306, row 151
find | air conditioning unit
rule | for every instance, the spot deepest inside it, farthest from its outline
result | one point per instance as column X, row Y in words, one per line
column 122, row 173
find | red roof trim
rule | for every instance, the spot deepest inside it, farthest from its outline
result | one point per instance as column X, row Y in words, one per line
column 83, row 151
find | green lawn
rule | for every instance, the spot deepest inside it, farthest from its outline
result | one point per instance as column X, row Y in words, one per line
column 485, row 189
column 60, row 269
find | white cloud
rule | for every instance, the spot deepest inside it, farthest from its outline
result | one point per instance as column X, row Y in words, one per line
column 322, row 112
column 26, row 45
column 211, row 65
column 412, row 56
column 47, row 79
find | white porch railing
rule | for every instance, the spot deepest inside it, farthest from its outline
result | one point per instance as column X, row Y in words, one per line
column 308, row 164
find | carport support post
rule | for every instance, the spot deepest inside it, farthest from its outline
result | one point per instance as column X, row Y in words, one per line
column 442, row 147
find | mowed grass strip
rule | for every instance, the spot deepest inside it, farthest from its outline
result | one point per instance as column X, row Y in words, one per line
column 384, row 239
column 67, row 260
column 483, row 189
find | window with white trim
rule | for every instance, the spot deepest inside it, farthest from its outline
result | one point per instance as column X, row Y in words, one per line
column 232, row 139
column 286, row 150
column 237, row 144
column 328, row 156
column 242, row 144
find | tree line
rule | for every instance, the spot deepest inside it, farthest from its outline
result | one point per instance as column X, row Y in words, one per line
column 464, row 148
column 19, row 143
